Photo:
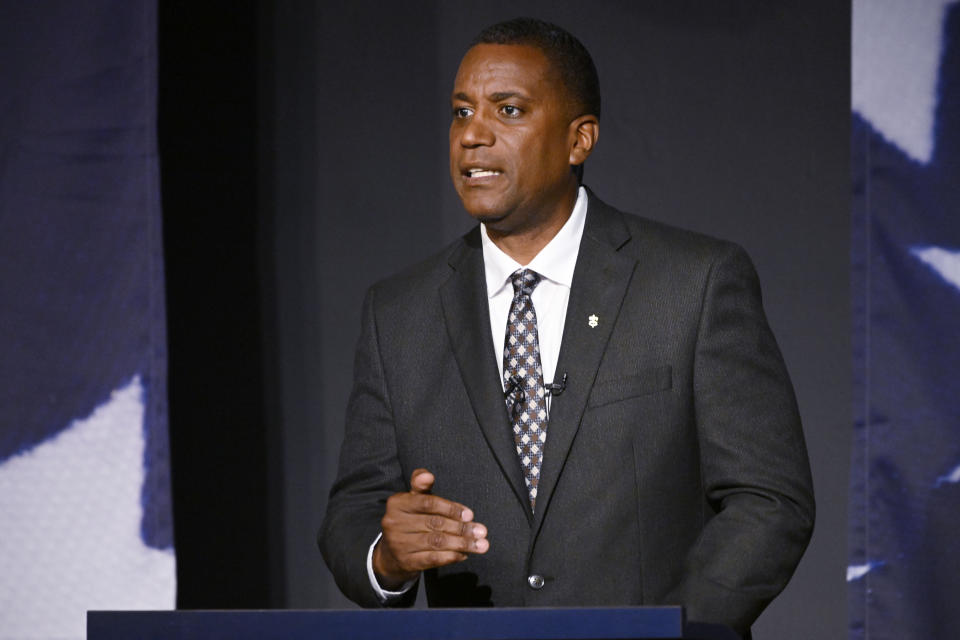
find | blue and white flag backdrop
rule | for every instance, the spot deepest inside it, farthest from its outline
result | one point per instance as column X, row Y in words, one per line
column 904, row 573
column 85, row 514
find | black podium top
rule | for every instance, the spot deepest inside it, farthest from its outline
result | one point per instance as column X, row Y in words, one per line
column 402, row 624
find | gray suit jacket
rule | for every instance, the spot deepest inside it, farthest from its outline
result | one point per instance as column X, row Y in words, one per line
column 675, row 470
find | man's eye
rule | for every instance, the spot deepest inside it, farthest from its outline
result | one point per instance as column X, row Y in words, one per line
column 511, row 111
column 462, row 112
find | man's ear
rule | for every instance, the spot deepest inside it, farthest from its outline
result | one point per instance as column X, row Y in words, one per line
column 584, row 132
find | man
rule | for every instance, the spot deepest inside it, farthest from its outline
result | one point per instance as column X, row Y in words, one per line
column 570, row 406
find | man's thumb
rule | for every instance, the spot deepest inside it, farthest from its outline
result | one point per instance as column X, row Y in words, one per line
column 421, row 481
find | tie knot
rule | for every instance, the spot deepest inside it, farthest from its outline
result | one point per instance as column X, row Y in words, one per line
column 524, row 281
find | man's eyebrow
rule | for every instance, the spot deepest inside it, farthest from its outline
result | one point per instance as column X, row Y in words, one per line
column 506, row 95
column 499, row 96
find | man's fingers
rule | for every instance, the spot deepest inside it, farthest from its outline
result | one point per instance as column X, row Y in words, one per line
column 439, row 524
column 434, row 505
column 440, row 541
column 421, row 531
column 415, row 552
column 421, row 482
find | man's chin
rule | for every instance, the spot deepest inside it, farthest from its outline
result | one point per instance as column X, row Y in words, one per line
column 488, row 215
column 491, row 219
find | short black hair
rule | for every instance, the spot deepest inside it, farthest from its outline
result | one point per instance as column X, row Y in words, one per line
column 564, row 52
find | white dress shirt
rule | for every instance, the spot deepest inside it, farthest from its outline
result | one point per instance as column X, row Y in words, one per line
column 555, row 264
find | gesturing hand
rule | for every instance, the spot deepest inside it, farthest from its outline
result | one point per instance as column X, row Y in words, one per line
column 422, row 531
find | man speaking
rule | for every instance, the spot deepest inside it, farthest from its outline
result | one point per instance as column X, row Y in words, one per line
column 570, row 405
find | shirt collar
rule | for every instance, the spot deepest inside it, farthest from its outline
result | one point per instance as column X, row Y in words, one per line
column 555, row 262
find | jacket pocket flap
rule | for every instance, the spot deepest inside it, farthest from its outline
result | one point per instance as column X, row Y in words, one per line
column 625, row 387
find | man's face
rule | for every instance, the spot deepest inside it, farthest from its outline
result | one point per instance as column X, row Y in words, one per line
column 511, row 138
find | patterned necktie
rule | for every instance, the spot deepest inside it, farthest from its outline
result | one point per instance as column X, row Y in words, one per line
column 525, row 393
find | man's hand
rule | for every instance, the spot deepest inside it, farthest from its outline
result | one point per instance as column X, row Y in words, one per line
column 422, row 531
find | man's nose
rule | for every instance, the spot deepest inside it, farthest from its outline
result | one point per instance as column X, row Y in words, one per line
column 477, row 133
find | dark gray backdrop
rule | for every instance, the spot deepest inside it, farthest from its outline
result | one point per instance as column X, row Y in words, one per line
column 731, row 118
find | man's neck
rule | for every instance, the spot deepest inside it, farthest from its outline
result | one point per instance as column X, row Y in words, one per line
column 524, row 244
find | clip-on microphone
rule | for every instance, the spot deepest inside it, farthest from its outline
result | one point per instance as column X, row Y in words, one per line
column 556, row 388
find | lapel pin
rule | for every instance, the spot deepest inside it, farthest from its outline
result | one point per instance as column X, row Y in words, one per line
column 593, row 320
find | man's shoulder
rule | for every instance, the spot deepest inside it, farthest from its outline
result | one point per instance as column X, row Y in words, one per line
column 641, row 236
column 418, row 282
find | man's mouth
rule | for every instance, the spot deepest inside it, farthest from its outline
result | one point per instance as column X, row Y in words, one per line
column 481, row 172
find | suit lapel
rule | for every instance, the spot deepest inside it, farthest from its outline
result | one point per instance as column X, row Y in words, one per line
column 467, row 316
column 600, row 282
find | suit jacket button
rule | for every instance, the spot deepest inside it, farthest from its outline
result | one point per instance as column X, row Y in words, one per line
column 535, row 581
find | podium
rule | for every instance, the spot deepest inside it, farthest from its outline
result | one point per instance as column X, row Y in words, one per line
column 639, row 623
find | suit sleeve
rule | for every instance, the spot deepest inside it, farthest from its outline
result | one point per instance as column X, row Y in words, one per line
column 369, row 472
column 753, row 459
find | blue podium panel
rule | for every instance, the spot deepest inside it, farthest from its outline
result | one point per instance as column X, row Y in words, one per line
column 391, row 624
